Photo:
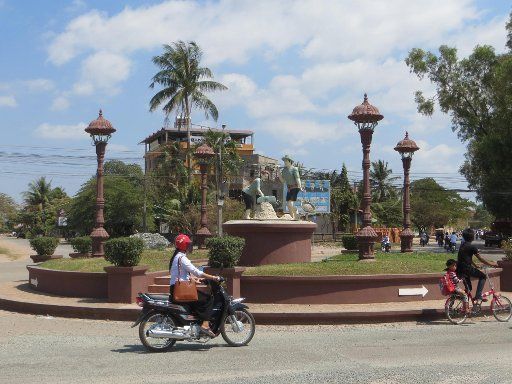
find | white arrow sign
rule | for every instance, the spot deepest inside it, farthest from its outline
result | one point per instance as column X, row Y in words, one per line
column 413, row 291
column 34, row 282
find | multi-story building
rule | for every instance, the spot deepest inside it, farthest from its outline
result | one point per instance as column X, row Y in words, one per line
column 244, row 140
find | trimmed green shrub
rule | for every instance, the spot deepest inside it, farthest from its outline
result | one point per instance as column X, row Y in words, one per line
column 44, row 245
column 224, row 252
column 82, row 244
column 349, row 242
column 124, row 251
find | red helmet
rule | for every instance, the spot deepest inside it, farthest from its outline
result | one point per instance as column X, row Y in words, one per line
column 182, row 242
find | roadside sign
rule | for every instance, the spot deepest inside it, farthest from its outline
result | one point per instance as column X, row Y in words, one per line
column 317, row 192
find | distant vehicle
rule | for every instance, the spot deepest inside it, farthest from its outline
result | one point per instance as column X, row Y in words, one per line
column 492, row 238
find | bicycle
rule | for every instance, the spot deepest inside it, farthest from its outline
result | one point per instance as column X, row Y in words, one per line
column 501, row 307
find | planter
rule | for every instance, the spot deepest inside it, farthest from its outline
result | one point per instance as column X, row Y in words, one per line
column 124, row 283
column 76, row 255
column 41, row 258
column 506, row 275
column 232, row 276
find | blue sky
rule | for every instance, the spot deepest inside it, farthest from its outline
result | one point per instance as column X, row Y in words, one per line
column 295, row 70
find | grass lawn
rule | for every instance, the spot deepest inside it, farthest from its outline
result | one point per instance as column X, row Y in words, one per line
column 157, row 261
column 348, row 264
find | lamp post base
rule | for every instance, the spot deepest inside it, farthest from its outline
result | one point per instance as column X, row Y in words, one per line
column 366, row 238
column 201, row 235
column 406, row 240
column 98, row 237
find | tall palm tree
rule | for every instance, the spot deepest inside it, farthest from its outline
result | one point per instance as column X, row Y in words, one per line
column 184, row 82
column 39, row 193
column 381, row 180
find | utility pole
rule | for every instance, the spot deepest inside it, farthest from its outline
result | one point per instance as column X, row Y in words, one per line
column 220, row 189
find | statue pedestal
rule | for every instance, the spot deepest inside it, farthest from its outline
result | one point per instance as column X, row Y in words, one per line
column 272, row 241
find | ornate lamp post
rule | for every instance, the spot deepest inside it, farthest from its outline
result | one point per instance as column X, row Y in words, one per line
column 203, row 155
column 100, row 131
column 366, row 118
column 406, row 148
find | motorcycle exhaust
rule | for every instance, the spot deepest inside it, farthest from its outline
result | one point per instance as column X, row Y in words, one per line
column 162, row 334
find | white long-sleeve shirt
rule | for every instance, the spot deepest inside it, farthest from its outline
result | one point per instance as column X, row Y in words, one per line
column 186, row 267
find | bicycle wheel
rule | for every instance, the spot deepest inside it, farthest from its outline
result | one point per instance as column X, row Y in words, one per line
column 501, row 308
column 454, row 310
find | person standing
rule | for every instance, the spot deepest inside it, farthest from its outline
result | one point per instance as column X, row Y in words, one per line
column 290, row 176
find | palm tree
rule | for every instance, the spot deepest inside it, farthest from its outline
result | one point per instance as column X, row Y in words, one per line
column 39, row 193
column 381, row 180
column 184, row 82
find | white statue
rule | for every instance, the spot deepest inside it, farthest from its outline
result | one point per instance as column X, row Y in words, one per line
column 290, row 176
column 251, row 193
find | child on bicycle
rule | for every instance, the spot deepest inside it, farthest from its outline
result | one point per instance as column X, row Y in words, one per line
column 451, row 268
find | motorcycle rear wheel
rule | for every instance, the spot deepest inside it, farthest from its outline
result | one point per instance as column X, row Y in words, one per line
column 239, row 339
column 153, row 344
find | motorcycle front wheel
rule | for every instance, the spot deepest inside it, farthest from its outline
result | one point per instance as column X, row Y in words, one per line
column 156, row 321
column 238, row 330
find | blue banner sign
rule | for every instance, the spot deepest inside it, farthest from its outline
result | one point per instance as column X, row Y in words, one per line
column 316, row 192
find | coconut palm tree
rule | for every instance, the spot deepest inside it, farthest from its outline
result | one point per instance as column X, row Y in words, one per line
column 183, row 83
column 39, row 193
column 381, row 180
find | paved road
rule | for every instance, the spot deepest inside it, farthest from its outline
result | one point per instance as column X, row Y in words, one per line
column 53, row 350
column 490, row 253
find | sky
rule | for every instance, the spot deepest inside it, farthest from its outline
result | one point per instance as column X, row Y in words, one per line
column 294, row 69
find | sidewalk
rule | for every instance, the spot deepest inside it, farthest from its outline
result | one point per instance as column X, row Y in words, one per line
column 18, row 297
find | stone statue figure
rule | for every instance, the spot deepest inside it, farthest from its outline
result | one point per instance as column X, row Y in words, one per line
column 251, row 193
column 290, row 176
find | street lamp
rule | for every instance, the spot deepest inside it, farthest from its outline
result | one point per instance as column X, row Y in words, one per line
column 366, row 118
column 406, row 148
column 100, row 130
column 203, row 156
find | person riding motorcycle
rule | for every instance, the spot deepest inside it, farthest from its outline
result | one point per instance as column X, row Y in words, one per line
column 385, row 243
column 182, row 268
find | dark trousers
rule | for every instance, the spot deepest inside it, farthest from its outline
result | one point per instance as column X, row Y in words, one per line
column 202, row 307
column 467, row 272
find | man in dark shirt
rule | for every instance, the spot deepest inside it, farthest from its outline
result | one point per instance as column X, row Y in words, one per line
column 466, row 267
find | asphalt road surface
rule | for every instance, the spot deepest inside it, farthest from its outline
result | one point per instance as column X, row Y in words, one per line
column 54, row 350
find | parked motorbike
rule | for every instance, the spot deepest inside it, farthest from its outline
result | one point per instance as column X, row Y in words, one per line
column 385, row 246
column 452, row 247
column 162, row 323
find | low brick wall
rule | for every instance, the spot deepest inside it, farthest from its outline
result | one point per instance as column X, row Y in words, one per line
column 75, row 284
column 354, row 289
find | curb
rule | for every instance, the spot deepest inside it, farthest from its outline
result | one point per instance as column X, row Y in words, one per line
column 293, row 318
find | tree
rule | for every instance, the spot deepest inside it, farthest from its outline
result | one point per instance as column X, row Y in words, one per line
column 434, row 206
column 124, row 199
column 220, row 143
column 184, row 83
column 476, row 93
column 381, row 181
column 39, row 193
column 8, row 209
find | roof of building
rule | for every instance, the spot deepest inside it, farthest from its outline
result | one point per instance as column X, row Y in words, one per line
column 240, row 133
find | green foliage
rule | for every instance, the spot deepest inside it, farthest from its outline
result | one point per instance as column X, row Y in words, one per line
column 124, row 251
column 82, row 244
column 382, row 182
column 224, row 251
column 8, row 210
column 507, row 248
column 349, row 242
column 388, row 213
column 477, row 94
column 434, row 206
column 44, row 245
column 124, row 200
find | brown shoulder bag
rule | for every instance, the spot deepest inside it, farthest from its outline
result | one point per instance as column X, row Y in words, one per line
column 184, row 290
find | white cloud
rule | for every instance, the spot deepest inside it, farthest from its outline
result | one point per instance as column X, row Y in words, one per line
column 39, row 85
column 298, row 133
column 60, row 103
column 102, row 71
column 442, row 157
column 62, row 131
column 8, row 101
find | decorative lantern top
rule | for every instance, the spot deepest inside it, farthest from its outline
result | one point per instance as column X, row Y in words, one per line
column 204, row 152
column 406, row 147
column 100, row 129
column 365, row 113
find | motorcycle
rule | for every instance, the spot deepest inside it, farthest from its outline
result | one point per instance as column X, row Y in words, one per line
column 162, row 323
column 385, row 246
column 423, row 241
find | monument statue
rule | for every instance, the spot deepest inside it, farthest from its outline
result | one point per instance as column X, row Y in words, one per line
column 290, row 176
column 251, row 193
